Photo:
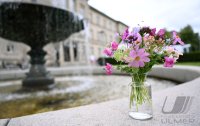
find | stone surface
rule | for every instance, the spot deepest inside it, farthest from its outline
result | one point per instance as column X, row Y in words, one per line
column 3, row 122
column 115, row 113
column 185, row 73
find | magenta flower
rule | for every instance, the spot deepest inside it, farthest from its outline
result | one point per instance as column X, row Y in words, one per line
column 108, row 68
column 153, row 32
column 114, row 45
column 176, row 38
column 108, row 52
column 125, row 34
column 161, row 33
column 138, row 57
column 169, row 62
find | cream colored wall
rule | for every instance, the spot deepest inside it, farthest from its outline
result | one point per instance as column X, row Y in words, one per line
column 16, row 54
column 108, row 27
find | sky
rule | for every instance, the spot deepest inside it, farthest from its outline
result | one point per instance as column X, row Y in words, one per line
column 169, row 14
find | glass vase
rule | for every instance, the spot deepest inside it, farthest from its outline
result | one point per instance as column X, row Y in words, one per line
column 140, row 98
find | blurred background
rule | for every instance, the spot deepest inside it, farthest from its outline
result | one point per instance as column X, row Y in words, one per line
column 104, row 19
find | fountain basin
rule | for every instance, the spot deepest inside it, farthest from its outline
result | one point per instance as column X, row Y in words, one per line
column 70, row 91
column 36, row 25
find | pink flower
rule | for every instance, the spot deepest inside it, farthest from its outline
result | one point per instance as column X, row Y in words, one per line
column 161, row 33
column 125, row 34
column 108, row 52
column 169, row 62
column 114, row 46
column 153, row 32
column 138, row 57
column 176, row 38
column 108, row 68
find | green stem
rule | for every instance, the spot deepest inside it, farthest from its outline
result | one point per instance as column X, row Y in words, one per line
column 138, row 93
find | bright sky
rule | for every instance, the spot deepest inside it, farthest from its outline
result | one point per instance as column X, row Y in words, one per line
column 170, row 14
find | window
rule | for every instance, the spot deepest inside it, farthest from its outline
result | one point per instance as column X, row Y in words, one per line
column 111, row 38
column 110, row 25
column 104, row 22
column 100, row 53
column 100, row 36
column 75, row 51
column 82, row 10
column 67, row 52
column 97, row 20
column 91, row 34
column 10, row 48
column 92, row 50
column 91, row 17
column 71, row 5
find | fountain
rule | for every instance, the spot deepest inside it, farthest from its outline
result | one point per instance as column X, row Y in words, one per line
column 37, row 25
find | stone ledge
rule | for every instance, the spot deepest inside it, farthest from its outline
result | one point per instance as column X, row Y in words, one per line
column 186, row 73
column 4, row 122
column 115, row 113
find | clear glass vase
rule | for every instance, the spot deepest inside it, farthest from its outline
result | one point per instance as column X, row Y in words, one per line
column 140, row 98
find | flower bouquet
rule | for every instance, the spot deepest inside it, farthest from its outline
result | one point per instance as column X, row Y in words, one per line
column 136, row 52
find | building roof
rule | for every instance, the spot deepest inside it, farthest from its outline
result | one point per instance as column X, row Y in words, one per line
column 98, row 11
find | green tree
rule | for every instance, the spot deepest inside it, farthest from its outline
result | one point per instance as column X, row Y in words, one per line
column 189, row 37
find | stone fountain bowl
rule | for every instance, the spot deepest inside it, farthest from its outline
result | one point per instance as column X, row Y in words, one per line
column 36, row 25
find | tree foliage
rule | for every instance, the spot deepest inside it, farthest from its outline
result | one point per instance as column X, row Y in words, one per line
column 190, row 37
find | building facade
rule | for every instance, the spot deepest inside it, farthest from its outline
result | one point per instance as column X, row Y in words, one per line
column 80, row 48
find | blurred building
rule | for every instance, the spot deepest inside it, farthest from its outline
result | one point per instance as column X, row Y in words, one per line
column 183, row 48
column 13, row 55
column 80, row 48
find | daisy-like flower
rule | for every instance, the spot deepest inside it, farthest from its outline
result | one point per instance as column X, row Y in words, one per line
column 108, row 68
column 176, row 38
column 138, row 57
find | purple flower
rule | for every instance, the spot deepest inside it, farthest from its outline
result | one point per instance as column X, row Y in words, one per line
column 134, row 37
column 169, row 62
column 138, row 57
column 125, row 34
column 161, row 33
column 108, row 52
column 108, row 68
column 114, row 45
column 153, row 32
column 176, row 38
